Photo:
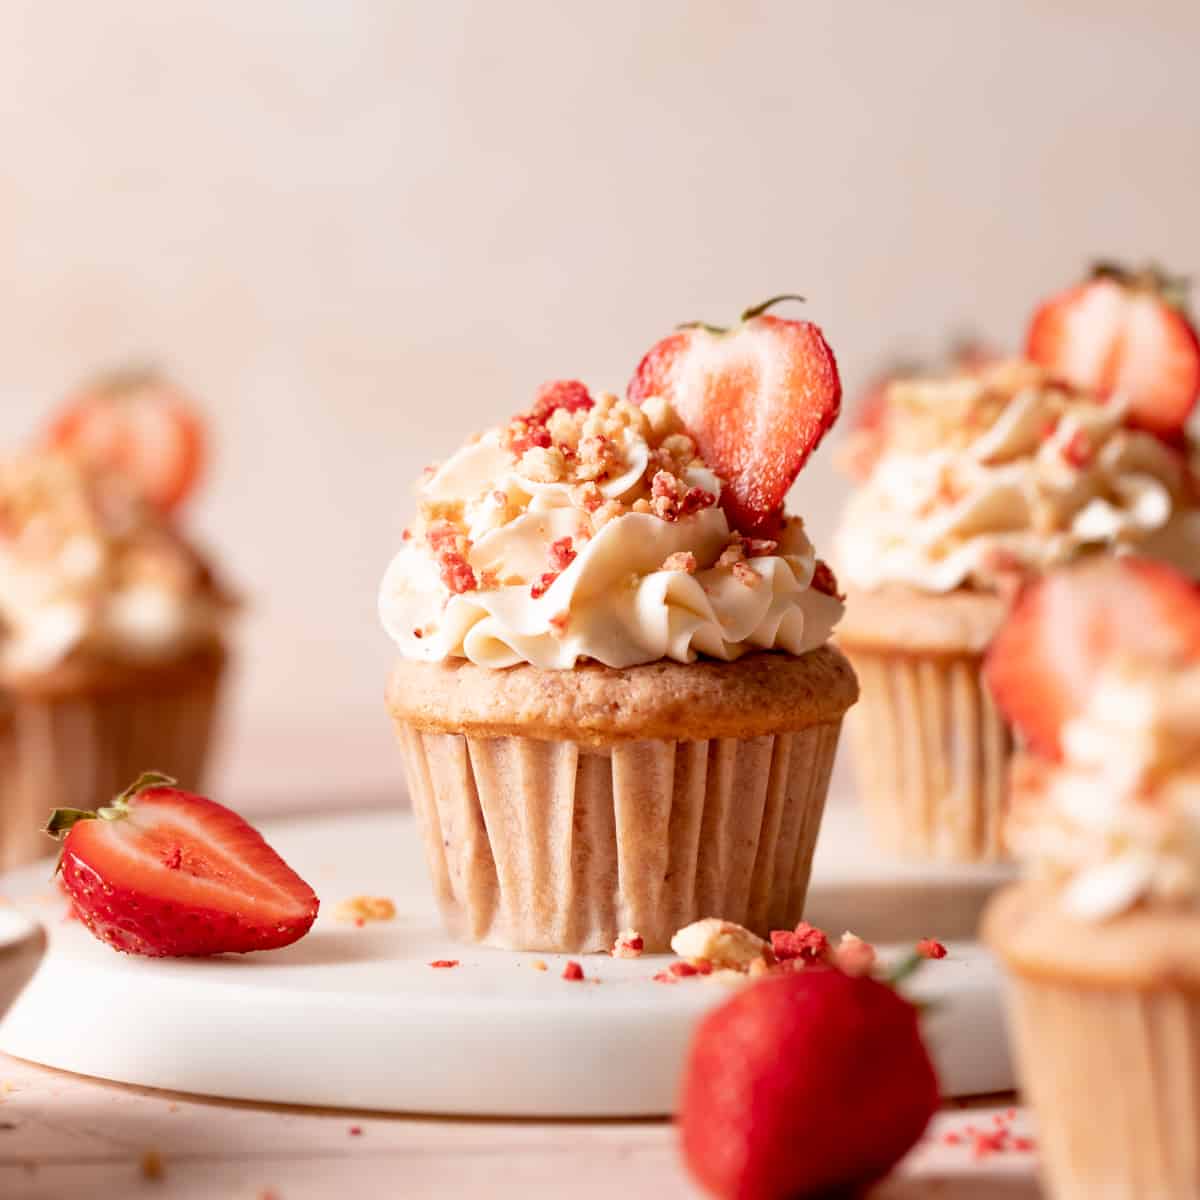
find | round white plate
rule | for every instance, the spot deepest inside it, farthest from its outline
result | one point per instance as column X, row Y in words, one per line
column 355, row 1017
column 22, row 944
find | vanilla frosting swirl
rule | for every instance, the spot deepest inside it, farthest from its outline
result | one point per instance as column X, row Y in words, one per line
column 618, row 552
column 1117, row 823
column 1006, row 470
column 87, row 566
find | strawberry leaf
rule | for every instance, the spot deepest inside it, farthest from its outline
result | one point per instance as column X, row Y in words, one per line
column 147, row 779
column 63, row 820
column 757, row 310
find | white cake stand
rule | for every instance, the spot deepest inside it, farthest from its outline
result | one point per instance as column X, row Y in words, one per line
column 357, row 1018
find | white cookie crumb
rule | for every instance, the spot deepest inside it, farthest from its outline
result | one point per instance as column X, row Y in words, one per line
column 722, row 943
column 360, row 909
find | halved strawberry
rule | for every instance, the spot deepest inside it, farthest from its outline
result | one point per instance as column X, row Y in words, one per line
column 1069, row 625
column 757, row 399
column 139, row 424
column 1126, row 332
column 164, row 872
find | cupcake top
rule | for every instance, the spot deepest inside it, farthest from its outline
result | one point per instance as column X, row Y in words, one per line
column 1099, row 668
column 87, row 565
column 591, row 528
column 1007, row 470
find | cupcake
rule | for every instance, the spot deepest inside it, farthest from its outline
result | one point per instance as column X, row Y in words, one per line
column 615, row 691
column 111, row 624
column 974, row 483
column 1099, row 668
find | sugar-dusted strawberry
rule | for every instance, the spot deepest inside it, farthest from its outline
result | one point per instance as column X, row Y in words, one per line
column 164, row 872
column 757, row 399
column 1124, row 332
column 1069, row 625
column 804, row 1084
column 141, row 425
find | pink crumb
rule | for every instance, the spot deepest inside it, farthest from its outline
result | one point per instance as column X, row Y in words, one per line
column 805, row 942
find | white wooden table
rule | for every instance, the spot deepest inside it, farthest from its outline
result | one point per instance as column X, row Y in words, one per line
column 64, row 1137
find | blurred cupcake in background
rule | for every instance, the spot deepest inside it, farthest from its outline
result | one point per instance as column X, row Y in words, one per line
column 973, row 483
column 1099, row 670
column 112, row 625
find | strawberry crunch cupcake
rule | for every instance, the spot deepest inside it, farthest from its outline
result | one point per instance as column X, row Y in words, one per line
column 971, row 485
column 616, row 692
column 112, row 626
column 1099, row 669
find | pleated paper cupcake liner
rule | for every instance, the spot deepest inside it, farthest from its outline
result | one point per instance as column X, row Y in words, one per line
column 80, row 750
column 1114, row 1079
column 555, row 846
column 931, row 755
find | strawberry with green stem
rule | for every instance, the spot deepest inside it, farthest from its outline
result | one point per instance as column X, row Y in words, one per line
column 1124, row 332
column 757, row 399
column 164, row 872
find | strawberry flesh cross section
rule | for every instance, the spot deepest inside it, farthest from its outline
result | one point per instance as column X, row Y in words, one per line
column 139, row 425
column 1124, row 333
column 1066, row 628
column 165, row 872
column 757, row 399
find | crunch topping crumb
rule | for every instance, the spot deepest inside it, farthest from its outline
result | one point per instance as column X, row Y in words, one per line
column 361, row 909
column 805, row 942
column 629, row 944
column 719, row 943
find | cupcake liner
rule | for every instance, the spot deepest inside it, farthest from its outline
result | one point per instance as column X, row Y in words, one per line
column 931, row 755
column 557, row 846
column 79, row 749
column 1114, row 1079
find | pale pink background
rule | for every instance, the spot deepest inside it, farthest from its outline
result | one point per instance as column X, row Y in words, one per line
column 360, row 230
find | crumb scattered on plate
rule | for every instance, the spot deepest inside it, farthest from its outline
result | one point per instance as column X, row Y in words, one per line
column 629, row 944
column 358, row 910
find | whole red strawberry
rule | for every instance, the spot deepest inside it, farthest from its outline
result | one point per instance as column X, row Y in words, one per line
column 1125, row 332
column 164, row 872
column 756, row 398
column 804, row 1083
